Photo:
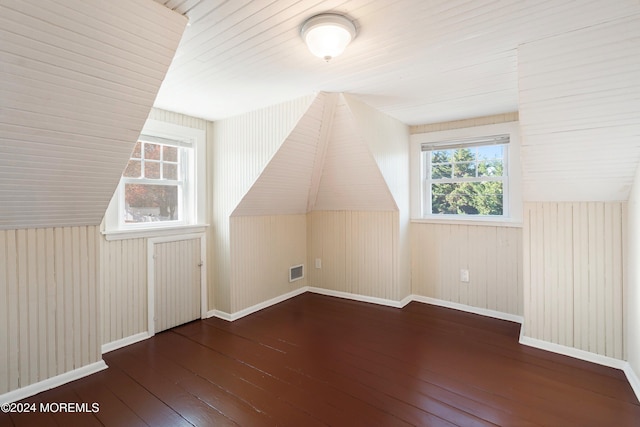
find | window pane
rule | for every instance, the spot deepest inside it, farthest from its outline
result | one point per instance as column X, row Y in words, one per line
column 169, row 171
column 152, row 170
column 133, row 169
column 441, row 156
column 467, row 198
column 169, row 154
column 150, row 203
column 464, row 170
column 491, row 152
column 441, row 170
column 136, row 151
column 490, row 168
column 151, row 151
column 464, row 155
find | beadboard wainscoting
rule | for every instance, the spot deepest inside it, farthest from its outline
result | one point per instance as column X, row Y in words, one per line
column 49, row 304
column 492, row 255
column 574, row 275
column 263, row 248
column 357, row 252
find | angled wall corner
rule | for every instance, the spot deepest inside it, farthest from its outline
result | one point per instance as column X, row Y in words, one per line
column 324, row 164
column 241, row 149
column 324, row 169
column 72, row 111
column 351, row 179
column 283, row 186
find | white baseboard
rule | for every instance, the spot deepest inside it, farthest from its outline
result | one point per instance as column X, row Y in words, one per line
column 633, row 379
column 220, row 315
column 469, row 309
column 250, row 310
column 114, row 345
column 52, row 382
column 358, row 297
column 573, row 352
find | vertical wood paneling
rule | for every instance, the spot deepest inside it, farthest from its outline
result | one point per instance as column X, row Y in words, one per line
column 388, row 141
column 630, row 334
column 241, row 147
column 123, row 278
column 490, row 253
column 123, row 288
column 357, row 252
column 262, row 250
column 574, row 258
column 48, row 283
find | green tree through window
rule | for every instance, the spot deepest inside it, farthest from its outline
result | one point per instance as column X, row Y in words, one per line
column 467, row 181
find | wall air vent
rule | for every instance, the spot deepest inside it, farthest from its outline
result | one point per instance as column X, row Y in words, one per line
column 296, row 272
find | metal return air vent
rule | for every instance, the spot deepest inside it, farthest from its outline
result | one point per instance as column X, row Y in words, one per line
column 296, row 272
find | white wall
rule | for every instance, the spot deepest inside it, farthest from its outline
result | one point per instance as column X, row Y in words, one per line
column 262, row 250
column 358, row 252
column 578, row 101
column 632, row 288
column 578, row 94
column 574, row 274
column 48, row 303
column 491, row 254
column 241, row 149
column 78, row 82
column 123, row 274
column 388, row 141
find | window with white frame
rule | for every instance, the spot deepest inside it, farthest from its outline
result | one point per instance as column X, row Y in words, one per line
column 466, row 177
column 162, row 185
column 470, row 173
column 155, row 184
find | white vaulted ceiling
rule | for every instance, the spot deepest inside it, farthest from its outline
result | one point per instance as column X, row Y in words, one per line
column 77, row 81
column 419, row 61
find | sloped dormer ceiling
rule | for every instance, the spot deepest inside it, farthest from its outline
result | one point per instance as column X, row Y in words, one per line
column 77, row 81
column 324, row 164
column 580, row 113
column 351, row 178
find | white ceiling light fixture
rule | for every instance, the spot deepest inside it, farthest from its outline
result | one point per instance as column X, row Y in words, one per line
column 328, row 34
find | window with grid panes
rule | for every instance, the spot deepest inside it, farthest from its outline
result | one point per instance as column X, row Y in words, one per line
column 466, row 177
column 153, row 185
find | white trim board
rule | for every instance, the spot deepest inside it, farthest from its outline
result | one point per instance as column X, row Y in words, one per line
column 361, row 298
column 587, row 356
column 49, row 383
column 469, row 309
column 633, row 379
column 257, row 307
column 132, row 339
column 573, row 352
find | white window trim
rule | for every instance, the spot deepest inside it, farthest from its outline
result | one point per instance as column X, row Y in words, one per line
column 113, row 230
column 513, row 199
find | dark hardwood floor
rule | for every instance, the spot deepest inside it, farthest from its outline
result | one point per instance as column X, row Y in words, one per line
column 316, row 360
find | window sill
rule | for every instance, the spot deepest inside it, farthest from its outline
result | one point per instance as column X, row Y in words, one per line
column 486, row 222
column 153, row 232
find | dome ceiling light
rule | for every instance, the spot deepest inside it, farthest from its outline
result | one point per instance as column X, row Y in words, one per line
column 328, row 34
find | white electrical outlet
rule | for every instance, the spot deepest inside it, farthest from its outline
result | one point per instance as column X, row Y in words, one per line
column 318, row 263
column 464, row 275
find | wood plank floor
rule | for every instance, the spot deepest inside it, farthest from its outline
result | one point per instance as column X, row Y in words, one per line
column 316, row 360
